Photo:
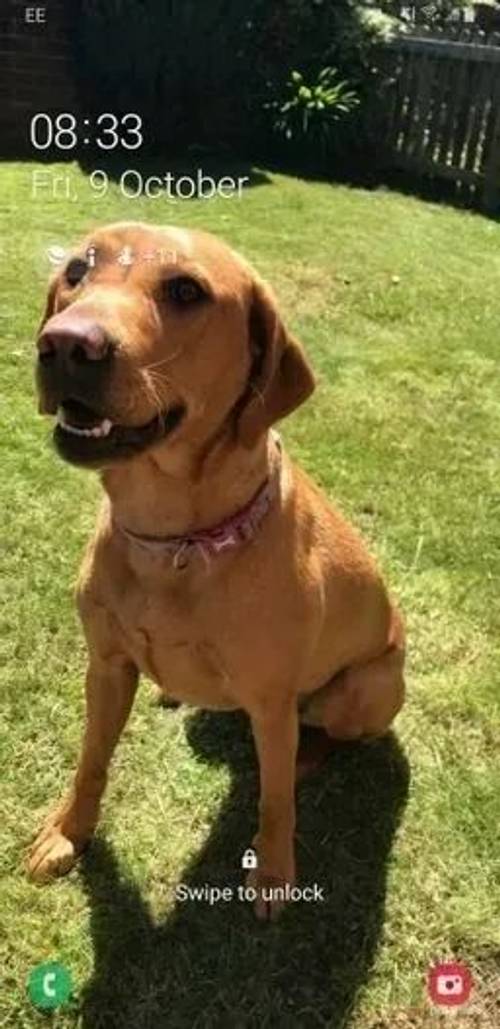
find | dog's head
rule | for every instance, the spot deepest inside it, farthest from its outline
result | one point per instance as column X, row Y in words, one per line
column 152, row 333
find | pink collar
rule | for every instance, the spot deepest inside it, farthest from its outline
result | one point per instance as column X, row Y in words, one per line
column 229, row 533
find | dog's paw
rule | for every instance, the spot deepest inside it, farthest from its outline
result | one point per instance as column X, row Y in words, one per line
column 52, row 854
column 271, row 893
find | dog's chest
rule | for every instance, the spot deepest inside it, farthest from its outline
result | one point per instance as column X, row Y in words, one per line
column 172, row 641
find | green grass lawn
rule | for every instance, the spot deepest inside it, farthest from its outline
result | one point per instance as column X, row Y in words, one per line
column 398, row 304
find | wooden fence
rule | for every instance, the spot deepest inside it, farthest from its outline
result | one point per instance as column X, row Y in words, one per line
column 443, row 113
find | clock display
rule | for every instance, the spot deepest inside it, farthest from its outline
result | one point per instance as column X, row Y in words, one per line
column 109, row 132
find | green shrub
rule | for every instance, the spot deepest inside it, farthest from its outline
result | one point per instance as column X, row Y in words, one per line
column 309, row 114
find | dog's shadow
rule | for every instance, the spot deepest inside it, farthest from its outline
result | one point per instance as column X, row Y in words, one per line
column 216, row 966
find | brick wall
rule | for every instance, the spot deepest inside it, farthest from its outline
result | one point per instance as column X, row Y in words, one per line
column 36, row 69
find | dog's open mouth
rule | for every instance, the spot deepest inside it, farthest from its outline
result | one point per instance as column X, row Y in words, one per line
column 85, row 436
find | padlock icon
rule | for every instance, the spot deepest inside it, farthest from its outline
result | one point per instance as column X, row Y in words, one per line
column 249, row 859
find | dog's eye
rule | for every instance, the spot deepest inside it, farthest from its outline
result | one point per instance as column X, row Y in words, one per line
column 75, row 271
column 183, row 291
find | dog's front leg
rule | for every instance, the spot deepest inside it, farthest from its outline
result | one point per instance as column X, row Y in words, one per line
column 110, row 691
column 276, row 738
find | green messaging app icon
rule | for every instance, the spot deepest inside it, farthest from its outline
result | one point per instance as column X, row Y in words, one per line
column 49, row 985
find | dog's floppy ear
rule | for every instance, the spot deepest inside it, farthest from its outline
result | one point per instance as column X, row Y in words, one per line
column 280, row 377
column 46, row 406
column 50, row 306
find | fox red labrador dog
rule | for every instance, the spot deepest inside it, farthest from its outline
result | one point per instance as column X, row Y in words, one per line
column 217, row 567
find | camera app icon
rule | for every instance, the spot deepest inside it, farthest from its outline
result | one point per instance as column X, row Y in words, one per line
column 449, row 984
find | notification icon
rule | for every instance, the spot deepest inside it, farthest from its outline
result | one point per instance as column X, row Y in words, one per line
column 449, row 984
column 56, row 255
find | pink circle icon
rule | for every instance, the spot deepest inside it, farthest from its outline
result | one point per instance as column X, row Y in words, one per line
column 449, row 984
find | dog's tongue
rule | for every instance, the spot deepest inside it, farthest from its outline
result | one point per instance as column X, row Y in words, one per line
column 79, row 414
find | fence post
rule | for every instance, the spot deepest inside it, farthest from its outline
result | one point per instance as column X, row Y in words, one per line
column 491, row 190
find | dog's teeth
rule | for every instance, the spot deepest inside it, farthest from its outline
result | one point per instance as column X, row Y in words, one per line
column 106, row 426
column 103, row 429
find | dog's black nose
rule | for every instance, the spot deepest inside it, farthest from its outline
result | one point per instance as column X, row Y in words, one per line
column 74, row 341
